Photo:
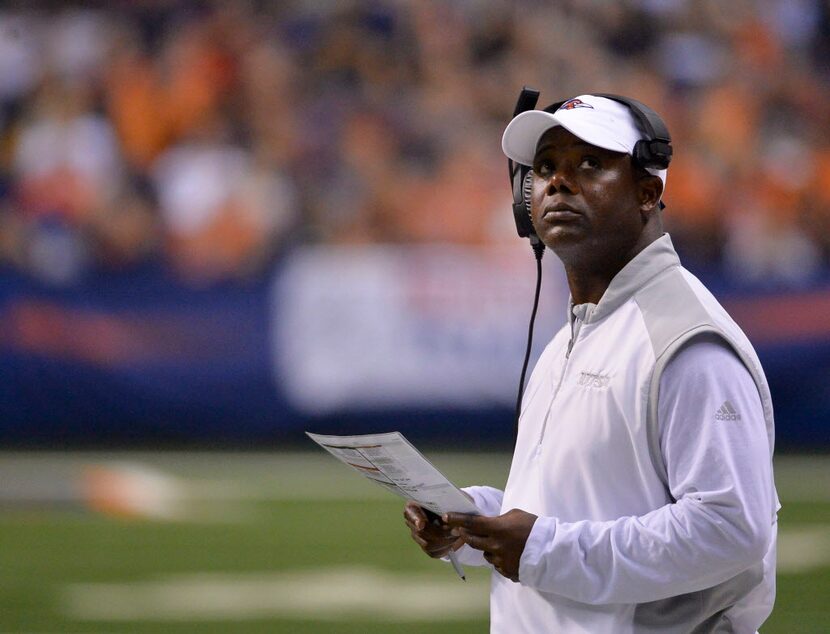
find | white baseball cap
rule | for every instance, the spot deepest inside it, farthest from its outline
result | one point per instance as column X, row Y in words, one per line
column 596, row 120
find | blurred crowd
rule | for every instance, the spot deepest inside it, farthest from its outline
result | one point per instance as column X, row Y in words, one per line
column 212, row 136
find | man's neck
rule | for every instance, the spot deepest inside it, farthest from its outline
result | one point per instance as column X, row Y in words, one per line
column 589, row 283
column 587, row 287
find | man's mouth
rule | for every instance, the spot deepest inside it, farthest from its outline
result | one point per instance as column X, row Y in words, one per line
column 560, row 213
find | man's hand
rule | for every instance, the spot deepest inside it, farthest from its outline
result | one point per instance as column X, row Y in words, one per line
column 501, row 538
column 432, row 535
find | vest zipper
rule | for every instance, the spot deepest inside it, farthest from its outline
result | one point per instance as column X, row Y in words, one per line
column 558, row 387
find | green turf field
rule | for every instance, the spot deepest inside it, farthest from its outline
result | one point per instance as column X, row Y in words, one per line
column 250, row 543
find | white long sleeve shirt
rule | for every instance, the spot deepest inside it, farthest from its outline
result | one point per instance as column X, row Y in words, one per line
column 607, row 552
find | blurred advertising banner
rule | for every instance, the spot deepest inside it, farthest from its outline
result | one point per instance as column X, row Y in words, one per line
column 408, row 327
column 134, row 358
column 426, row 340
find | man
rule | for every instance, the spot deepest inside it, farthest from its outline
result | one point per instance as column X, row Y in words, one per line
column 640, row 496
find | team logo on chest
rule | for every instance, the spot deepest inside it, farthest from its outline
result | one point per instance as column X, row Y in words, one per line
column 591, row 380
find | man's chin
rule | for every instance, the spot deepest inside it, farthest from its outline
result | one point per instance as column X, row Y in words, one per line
column 563, row 237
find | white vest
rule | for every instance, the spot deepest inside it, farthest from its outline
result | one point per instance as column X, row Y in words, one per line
column 588, row 444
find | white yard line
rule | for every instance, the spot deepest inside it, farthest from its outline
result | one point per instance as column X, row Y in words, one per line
column 321, row 594
column 803, row 549
column 338, row 593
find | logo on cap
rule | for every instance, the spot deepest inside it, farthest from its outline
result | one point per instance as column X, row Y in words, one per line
column 570, row 104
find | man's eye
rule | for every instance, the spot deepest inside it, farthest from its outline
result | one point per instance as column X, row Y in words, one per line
column 589, row 162
column 542, row 168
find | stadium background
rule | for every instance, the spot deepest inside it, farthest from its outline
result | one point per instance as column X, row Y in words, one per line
column 222, row 224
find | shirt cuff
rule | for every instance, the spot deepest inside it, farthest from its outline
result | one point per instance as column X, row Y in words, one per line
column 487, row 499
column 488, row 502
column 531, row 563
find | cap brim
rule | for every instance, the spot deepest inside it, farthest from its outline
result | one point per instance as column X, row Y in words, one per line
column 522, row 134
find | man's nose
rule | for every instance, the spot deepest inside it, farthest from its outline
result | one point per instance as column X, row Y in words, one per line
column 560, row 181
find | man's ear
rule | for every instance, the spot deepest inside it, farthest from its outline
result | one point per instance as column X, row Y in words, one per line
column 649, row 190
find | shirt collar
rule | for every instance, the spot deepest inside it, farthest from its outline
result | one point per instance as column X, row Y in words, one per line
column 580, row 312
column 654, row 259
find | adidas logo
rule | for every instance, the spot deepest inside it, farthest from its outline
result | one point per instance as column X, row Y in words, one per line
column 727, row 411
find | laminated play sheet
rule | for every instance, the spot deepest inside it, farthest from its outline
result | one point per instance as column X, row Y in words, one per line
column 394, row 463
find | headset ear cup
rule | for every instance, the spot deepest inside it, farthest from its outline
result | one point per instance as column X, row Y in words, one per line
column 655, row 151
column 644, row 156
column 527, row 190
column 641, row 154
column 521, row 204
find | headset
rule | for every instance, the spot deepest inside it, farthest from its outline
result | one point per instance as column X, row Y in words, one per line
column 652, row 152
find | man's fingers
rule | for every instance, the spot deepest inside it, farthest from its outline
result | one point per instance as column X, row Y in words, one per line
column 430, row 545
column 420, row 540
column 478, row 542
column 415, row 516
column 471, row 523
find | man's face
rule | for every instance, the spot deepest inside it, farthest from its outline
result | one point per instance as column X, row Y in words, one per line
column 585, row 202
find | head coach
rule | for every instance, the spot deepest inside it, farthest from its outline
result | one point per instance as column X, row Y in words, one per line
column 640, row 496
